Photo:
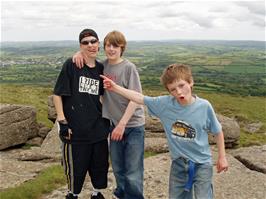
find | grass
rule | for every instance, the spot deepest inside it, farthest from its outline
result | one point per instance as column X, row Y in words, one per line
column 247, row 139
column 245, row 110
column 149, row 154
column 34, row 95
column 47, row 181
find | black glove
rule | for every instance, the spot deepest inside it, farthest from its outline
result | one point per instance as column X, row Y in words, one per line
column 63, row 128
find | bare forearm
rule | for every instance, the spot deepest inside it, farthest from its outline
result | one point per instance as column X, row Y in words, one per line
column 129, row 94
column 220, row 144
column 128, row 113
column 58, row 107
column 222, row 164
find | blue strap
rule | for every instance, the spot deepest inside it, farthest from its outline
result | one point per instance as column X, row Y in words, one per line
column 191, row 173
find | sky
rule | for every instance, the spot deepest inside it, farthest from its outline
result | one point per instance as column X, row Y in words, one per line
column 142, row 20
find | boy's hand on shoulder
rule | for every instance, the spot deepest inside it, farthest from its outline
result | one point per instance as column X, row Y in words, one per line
column 222, row 164
column 78, row 59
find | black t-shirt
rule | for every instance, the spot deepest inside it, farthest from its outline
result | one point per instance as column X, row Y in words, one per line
column 80, row 90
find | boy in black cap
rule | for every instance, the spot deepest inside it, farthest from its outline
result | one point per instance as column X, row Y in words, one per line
column 82, row 129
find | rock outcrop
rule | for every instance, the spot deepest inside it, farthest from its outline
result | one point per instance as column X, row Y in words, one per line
column 237, row 183
column 253, row 157
column 18, row 124
column 51, row 109
column 14, row 171
column 231, row 131
column 51, row 145
column 245, row 178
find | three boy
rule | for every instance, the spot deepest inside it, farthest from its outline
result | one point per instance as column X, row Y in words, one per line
column 187, row 120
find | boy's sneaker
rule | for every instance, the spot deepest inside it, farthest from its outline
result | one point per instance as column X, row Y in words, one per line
column 70, row 196
column 98, row 196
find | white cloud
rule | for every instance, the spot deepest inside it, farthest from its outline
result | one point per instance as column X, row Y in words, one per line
column 141, row 20
column 256, row 7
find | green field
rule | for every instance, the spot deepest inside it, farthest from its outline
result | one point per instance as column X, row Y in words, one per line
column 233, row 67
column 245, row 109
column 36, row 96
column 231, row 74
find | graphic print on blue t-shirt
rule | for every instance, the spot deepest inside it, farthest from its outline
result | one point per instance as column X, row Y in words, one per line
column 182, row 130
column 88, row 85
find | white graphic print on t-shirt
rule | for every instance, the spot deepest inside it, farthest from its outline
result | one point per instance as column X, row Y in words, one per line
column 88, row 85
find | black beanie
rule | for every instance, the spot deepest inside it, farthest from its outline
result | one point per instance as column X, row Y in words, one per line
column 87, row 33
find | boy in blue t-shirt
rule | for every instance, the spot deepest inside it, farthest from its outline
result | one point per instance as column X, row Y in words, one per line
column 187, row 120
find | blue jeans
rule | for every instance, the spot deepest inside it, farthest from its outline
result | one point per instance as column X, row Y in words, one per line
column 202, row 182
column 127, row 158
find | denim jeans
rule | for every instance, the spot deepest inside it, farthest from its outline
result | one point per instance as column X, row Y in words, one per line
column 202, row 182
column 127, row 158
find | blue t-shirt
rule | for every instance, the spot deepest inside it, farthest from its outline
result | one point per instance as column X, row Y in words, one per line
column 186, row 127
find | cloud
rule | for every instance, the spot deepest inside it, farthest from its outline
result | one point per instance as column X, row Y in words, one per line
column 46, row 20
column 256, row 7
column 253, row 13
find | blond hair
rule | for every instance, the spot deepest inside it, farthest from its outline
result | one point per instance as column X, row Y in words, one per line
column 116, row 39
column 176, row 72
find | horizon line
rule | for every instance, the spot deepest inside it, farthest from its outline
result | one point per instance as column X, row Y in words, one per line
column 138, row 40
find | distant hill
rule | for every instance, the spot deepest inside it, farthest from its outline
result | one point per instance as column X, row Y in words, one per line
column 235, row 67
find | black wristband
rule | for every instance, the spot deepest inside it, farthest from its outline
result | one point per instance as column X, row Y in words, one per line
column 63, row 129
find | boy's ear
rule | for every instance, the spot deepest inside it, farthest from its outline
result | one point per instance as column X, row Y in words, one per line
column 191, row 84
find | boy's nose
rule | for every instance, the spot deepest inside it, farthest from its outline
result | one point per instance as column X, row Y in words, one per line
column 178, row 91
